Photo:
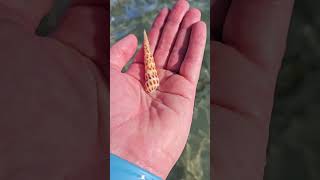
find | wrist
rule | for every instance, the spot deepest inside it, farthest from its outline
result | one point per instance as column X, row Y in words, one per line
column 123, row 169
column 157, row 163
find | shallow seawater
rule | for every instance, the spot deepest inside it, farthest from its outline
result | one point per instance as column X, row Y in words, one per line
column 132, row 16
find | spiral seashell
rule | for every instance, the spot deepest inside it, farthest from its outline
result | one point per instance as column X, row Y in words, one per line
column 151, row 74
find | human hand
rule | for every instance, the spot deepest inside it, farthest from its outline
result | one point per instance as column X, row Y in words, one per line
column 250, row 40
column 151, row 130
column 52, row 92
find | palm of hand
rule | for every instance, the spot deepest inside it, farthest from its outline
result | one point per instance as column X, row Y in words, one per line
column 245, row 68
column 58, row 94
column 151, row 130
column 154, row 127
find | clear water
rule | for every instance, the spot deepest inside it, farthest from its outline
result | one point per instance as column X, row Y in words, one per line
column 132, row 16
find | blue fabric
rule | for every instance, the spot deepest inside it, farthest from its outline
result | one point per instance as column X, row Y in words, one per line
column 121, row 169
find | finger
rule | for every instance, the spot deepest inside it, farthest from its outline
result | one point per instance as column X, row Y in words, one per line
column 154, row 33
column 218, row 14
column 122, row 51
column 191, row 65
column 181, row 45
column 258, row 29
column 169, row 32
column 84, row 28
column 27, row 14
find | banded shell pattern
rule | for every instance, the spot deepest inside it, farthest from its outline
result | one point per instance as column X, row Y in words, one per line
column 151, row 74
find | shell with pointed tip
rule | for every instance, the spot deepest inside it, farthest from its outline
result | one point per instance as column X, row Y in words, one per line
column 151, row 74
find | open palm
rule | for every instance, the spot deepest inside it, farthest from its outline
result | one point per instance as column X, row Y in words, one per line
column 249, row 43
column 53, row 95
column 151, row 130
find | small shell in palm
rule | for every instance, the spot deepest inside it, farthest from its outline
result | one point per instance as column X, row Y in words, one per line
column 151, row 74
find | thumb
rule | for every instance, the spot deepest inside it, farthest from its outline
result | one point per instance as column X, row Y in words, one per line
column 122, row 51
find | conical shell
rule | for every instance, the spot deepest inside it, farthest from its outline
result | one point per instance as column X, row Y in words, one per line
column 151, row 74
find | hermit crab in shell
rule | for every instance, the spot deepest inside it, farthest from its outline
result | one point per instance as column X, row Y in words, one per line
column 151, row 74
